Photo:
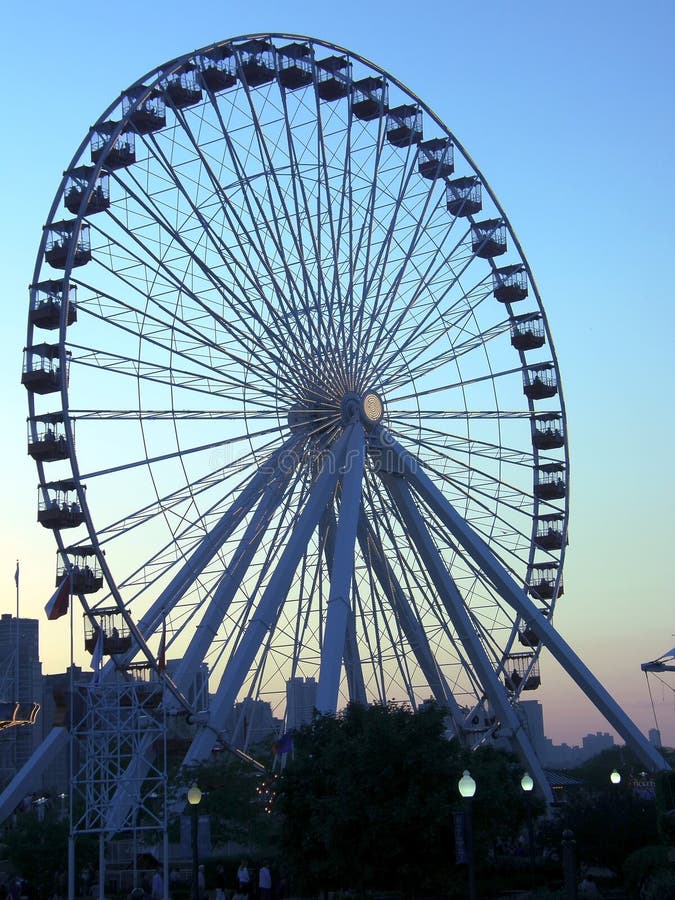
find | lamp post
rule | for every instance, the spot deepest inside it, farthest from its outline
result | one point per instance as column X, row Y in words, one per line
column 194, row 796
column 615, row 777
column 467, row 789
column 527, row 784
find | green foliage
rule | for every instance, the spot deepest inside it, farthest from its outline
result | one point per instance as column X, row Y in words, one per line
column 500, row 807
column 641, row 866
column 591, row 815
column 38, row 851
column 233, row 796
column 660, row 885
column 595, row 771
column 665, row 806
column 366, row 802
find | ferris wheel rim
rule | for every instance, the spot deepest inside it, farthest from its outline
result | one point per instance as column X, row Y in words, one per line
column 162, row 72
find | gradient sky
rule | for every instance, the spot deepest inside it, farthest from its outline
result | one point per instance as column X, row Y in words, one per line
column 569, row 112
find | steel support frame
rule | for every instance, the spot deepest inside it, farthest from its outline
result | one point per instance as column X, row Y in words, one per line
column 121, row 722
column 411, row 470
column 274, row 595
column 338, row 608
column 373, row 552
column 454, row 604
column 356, row 685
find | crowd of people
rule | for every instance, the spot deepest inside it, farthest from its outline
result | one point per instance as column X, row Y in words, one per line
column 250, row 884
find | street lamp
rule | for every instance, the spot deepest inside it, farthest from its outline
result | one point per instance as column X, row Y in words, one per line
column 467, row 789
column 615, row 776
column 194, row 796
column 527, row 784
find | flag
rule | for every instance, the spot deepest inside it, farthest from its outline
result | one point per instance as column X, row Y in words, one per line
column 16, row 575
column 281, row 747
column 284, row 744
column 97, row 656
column 59, row 601
column 161, row 655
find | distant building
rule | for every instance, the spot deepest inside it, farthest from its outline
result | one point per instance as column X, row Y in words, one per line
column 20, row 682
column 57, row 711
column 300, row 702
column 532, row 714
column 655, row 738
column 251, row 723
column 593, row 744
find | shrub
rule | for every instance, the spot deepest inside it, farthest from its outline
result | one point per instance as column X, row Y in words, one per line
column 640, row 867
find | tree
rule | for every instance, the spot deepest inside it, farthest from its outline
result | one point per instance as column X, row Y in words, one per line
column 37, row 850
column 234, row 796
column 366, row 801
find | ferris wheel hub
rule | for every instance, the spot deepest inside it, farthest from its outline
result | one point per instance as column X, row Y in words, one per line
column 372, row 408
column 368, row 408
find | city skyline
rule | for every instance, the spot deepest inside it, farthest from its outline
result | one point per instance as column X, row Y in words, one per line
column 255, row 717
column 601, row 272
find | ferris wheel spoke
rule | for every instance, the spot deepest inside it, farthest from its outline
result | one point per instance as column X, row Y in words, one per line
column 452, row 599
column 393, row 378
column 483, row 508
column 448, row 441
column 304, row 217
column 279, row 205
column 164, row 415
column 159, row 373
column 238, row 226
column 240, row 561
column 240, row 273
column 160, row 264
column 388, row 332
column 173, row 499
column 337, row 199
column 362, row 233
column 212, row 540
column 411, row 567
column 265, row 373
column 177, row 454
column 451, row 307
column 458, row 527
column 384, row 301
column 271, row 601
column 373, row 552
column 490, row 377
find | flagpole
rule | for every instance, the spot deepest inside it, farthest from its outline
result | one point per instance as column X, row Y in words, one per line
column 71, row 754
column 17, row 636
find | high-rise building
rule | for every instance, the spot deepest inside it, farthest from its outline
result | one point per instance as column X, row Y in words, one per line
column 20, row 683
column 595, row 743
column 655, row 737
column 251, row 723
column 533, row 714
column 300, row 701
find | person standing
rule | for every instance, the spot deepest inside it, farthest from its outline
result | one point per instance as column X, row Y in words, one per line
column 243, row 878
column 265, row 882
column 220, row 883
column 157, row 886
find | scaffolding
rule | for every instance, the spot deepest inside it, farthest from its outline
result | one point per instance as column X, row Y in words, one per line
column 121, row 763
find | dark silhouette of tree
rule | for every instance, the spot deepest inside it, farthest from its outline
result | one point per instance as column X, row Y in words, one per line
column 366, row 801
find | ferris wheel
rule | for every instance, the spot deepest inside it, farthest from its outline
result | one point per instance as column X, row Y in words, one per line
column 293, row 397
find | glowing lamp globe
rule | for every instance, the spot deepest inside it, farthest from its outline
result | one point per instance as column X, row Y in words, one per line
column 526, row 783
column 194, row 795
column 466, row 785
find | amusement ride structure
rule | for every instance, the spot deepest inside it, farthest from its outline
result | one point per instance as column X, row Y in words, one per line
column 296, row 412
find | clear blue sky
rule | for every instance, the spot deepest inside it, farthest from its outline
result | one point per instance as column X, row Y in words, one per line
column 568, row 110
